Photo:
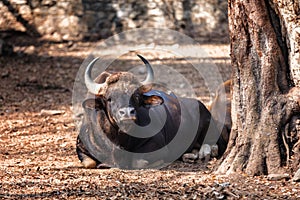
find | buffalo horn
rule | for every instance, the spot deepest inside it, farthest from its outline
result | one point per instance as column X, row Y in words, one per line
column 94, row 88
column 150, row 73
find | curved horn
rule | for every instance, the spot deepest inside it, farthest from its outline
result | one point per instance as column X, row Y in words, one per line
column 92, row 87
column 150, row 73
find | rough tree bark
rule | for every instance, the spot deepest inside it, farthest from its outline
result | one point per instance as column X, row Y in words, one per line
column 265, row 41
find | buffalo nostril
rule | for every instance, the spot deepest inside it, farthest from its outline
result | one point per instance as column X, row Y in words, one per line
column 127, row 112
column 132, row 112
column 122, row 112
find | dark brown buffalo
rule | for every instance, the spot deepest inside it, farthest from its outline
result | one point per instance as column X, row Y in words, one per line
column 119, row 104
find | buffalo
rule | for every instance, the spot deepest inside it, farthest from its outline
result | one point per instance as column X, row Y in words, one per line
column 131, row 124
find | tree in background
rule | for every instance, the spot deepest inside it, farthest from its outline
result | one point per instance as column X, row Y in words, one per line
column 265, row 43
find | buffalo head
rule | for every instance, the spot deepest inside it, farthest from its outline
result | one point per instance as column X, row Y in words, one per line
column 123, row 96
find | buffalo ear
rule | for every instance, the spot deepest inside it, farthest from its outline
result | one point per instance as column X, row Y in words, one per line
column 92, row 104
column 153, row 100
column 102, row 77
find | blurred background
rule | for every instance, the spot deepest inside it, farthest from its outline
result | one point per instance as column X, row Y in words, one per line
column 89, row 20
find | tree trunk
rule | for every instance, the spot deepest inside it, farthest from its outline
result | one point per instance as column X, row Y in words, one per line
column 265, row 41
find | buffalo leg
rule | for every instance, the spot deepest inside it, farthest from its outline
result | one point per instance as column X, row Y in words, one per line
column 87, row 160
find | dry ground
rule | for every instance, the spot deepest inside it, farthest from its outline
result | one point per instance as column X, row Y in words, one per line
column 37, row 147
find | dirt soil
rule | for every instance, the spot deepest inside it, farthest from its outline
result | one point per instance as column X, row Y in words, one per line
column 38, row 135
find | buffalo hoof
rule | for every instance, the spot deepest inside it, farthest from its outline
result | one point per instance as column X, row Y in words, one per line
column 190, row 157
column 89, row 163
column 205, row 152
column 208, row 151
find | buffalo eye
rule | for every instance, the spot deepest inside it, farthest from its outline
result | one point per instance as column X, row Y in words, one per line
column 92, row 104
column 136, row 99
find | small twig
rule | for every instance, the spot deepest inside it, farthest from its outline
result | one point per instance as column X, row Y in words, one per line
column 52, row 112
